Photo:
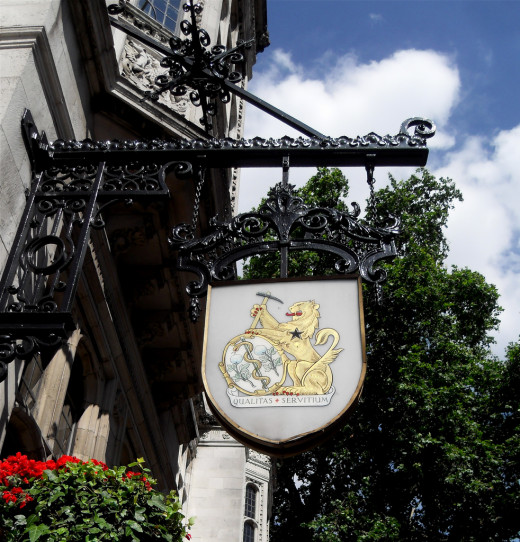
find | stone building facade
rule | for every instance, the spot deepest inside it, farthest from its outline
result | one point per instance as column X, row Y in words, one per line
column 127, row 381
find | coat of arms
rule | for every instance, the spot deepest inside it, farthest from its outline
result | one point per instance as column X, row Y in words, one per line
column 259, row 360
column 284, row 360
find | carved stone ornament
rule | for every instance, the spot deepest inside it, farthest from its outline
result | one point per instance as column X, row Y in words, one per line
column 142, row 68
column 258, row 458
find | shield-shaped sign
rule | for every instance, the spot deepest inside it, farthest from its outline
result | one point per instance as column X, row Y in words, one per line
column 284, row 361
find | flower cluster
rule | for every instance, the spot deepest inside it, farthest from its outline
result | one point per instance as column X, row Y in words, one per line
column 18, row 470
column 82, row 501
column 138, row 476
column 17, row 494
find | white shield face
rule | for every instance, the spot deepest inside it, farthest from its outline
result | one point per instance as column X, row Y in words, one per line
column 283, row 360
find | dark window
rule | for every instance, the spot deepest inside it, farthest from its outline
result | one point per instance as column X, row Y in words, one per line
column 250, row 509
column 249, row 532
column 165, row 12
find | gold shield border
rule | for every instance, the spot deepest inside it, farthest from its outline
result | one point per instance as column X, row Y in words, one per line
column 304, row 441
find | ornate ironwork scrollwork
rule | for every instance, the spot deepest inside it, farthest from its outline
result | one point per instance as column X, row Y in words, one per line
column 403, row 149
column 283, row 222
column 74, row 181
column 64, row 196
column 194, row 67
column 65, row 202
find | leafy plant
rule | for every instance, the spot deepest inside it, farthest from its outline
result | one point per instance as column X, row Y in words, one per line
column 73, row 500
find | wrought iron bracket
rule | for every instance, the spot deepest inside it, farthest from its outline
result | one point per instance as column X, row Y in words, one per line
column 42, row 272
column 402, row 149
column 206, row 75
column 75, row 181
column 283, row 224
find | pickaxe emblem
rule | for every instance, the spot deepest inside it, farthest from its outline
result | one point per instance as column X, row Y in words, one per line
column 266, row 296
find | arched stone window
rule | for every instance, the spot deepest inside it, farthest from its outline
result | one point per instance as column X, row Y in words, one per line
column 250, row 504
column 250, row 513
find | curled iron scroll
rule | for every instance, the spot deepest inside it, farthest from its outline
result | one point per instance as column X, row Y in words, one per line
column 283, row 221
column 424, row 128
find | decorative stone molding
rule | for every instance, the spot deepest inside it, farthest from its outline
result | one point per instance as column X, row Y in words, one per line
column 97, row 265
column 259, row 459
column 141, row 67
column 217, row 437
column 35, row 38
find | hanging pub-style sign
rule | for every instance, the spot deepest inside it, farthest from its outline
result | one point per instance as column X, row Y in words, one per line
column 284, row 360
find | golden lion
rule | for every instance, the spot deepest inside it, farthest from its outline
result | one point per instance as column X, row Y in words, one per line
column 309, row 371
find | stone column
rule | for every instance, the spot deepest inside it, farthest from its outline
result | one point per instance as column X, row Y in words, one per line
column 55, row 380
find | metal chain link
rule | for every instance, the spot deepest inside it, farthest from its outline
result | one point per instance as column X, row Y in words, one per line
column 372, row 199
column 201, row 173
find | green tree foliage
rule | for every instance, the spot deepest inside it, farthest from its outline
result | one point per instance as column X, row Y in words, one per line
column 325, row 189
column 432, row 452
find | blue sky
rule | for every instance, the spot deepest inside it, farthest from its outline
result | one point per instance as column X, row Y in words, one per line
column 350, row 67
column 482, row 37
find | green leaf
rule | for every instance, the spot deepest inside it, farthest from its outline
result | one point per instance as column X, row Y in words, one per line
column 157, row 501
column 55, row 496
column 51, row 475
column 139, row 514
column 135, row 526
column 20, row 520
column 35, row 531
column 129, row 532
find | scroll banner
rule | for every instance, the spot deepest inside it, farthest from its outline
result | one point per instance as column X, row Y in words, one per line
column 284, row 361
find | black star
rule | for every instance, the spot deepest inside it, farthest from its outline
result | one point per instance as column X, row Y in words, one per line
column 296, row 334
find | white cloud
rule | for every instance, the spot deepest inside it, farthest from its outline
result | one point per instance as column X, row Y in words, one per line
column 484, row 230
column 346, row 97
column 349, row 98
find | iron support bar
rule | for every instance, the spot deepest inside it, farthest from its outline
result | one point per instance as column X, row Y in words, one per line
column 231, row 87
column 231, row 153
column 284, row 246
column 84, row 236
column 402, row 149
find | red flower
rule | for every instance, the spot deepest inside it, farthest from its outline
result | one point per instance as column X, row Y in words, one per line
column 18, row 470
